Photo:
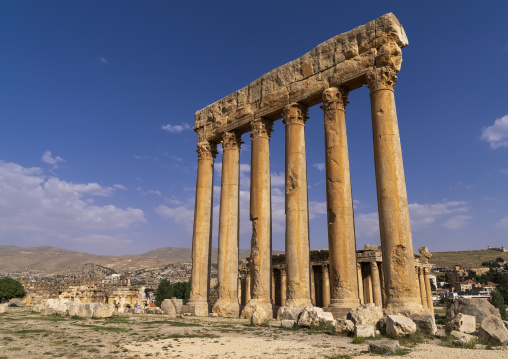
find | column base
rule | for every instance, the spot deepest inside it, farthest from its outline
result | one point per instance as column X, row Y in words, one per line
column 253, row 304
column 227, row 308
column 340, row 307
column 404, row 306
column 197, row 307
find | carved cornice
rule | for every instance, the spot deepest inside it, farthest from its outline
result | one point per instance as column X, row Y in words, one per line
column 388, row 62
column 261, row 128
column 231, row 140
column 294, row 114
column 334, row 99
column 207, row 150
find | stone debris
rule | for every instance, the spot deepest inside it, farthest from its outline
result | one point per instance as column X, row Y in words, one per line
column 3, row 308
column 367, row 314
column 168, row 307
column 291, row 313
column 425, row 323
column 344, row 325
column 153, row 310
column 462, row 323
column 365, row 331
column 16, row 303
column 479, row 308
column 385, row 346
column 259, row 316
column 313, row 316
column 287, row 323
column 461, row 338
column 72, row 308
column 399, row 325
column 493, row 331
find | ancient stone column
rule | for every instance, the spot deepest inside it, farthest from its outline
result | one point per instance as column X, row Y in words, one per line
column 272, row 297
column 339, row 202
column 283, row 286
column 367, row 280
column 297, row 213
column 395, row 230
column 376, row 285
column 227, row 270
column 240, row 289
column 383, row 293
column 360, row 283
column 428, row 290
column 312, row 286
column 247, row 288
column 325, row 285
column 422, row 288
column 261, row 217
column 202, row 231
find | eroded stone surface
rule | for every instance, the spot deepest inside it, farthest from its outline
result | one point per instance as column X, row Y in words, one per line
column 384, row 346
column 367, row 314
column 493, row 331
column 399, row 325
column 425, row 323
column 462, row 323
column 479, row 308
column 365, row 331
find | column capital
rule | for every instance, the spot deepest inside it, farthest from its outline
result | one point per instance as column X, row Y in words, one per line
column 358, row 265
column 261, row 127
column 294, row 114
column 231, row 139
column 373, row 266
column 334, row 99
column 207, row 150
column 324, row 268
column 388, row 61
column 425, row 270
column 283, row 271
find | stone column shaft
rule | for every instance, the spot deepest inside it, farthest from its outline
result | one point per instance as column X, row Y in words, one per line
column 339, row 202
column 202, row 231
column 395, row 230
column 227, row 272
column 360, row 283
column 376, row 285
column 312, row 286
column 283, row 286
column 248, row 285
column 421, row 281
column 297, row 213
column 261, row 217
column 428, row 290
column 326, row 286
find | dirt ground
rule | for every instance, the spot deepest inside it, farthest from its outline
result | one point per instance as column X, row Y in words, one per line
column 24, row 334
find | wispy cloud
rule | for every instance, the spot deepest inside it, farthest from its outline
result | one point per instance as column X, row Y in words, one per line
column 497, row 134
column 319, row 166
column 54, row 161
column 103, row 60
column 502, row 224
column 119, row 186
column 504, row 171
column 176, row 128
column 456, row 222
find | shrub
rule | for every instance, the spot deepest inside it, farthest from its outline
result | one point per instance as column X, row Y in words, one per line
column 11, row 288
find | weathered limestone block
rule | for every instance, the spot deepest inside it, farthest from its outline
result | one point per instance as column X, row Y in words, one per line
column 59, row 306
column 493, row 331
column 291, row 313
column 178, row 304
column 479, row 308
column 461, row 338
column 425, row 323
column 103, row 310
column 287, row 323
column 16, row 303
column 367, row 314
column 385, row 346
column 3, row 308
column 462, row 323
column 259, row 316
column 168, row 307
column 365, row 331
column 82, row 310
column 344, row 325
column 49, row 311
column 314, row 316
column 153, row 310
column 399, row 325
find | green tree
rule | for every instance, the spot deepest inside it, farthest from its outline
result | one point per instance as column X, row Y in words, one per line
column 11, row 288
column 164, row 291
column 497, row 301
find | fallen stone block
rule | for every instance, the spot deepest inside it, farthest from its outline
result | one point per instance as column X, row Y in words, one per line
column 103, row 310
column 289, row 313
column 493, row 331
column 287, row 323
column 425, row 323
column 15, row 303
column 344, row 325
column 3, row 308
column 462, row 323
column 478, row 307
column 461, row 338
column 168, row 307
column 259, row 316
column 367, row 314
column 399, row 326
column 385, row 346
column 365, row 331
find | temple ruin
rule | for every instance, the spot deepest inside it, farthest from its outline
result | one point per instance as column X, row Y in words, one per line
column 367, row 55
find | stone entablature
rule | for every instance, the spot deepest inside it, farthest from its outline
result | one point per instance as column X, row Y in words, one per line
column 343, row 61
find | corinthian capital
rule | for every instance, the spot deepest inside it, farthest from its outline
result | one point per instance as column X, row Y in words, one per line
column 388, row 62
column 334, row 99
column 294, row 113
column 231, row 139
column 261, row 127
column 207, row 150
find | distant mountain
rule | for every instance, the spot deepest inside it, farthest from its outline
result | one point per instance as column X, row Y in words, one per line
column 52, row 260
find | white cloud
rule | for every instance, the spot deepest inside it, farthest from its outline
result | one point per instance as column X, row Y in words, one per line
column 497, row 134
column 316, row 208
column 154, row 192
column 422, row 215
column 119, row 186
column 103, row 60
column 456, row 222
column 319, row 166
column 54, row 161
column 176, row 128
column 504, row 171
column 502, row 224
column 278, row 179
column 367, row 225
column 181, row 214
column 35, row 207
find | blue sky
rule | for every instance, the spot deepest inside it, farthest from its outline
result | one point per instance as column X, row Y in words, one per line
column 97, row 104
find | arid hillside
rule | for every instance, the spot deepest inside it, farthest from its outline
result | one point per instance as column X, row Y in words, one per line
column 468, row 259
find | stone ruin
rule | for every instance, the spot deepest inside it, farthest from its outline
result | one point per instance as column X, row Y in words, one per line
column 367, row 55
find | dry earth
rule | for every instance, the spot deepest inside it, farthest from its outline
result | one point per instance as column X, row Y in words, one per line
column 24, row 334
